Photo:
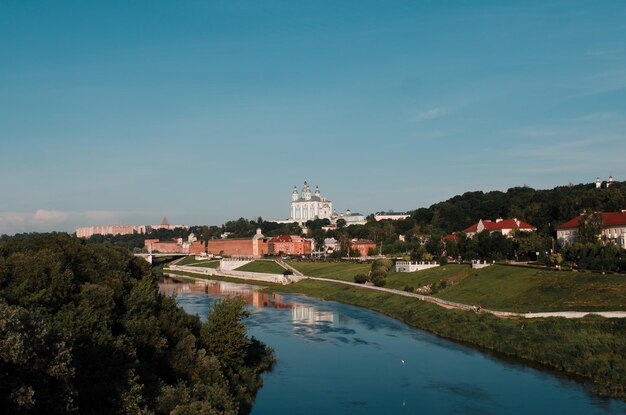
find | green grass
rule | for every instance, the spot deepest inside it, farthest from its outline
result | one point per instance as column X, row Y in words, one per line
column 524, row 289
column 344, row 271
column 188, row 260
column 452, row 272
column 266, row 267
column 207, row 264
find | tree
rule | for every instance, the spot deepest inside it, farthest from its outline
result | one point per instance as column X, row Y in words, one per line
column 589, row 227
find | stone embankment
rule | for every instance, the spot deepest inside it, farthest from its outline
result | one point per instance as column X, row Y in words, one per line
column 257, row 276
column 298, row 276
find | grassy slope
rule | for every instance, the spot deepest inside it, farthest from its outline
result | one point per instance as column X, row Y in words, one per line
column 268, row 267
column 526, row 289
column 455, row 272
column 499, row 287
column 336, row 270
column 592, row 348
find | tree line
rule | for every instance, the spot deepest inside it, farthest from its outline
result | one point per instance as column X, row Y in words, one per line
column 83, row 329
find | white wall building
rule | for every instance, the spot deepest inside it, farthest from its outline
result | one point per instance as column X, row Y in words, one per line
column 613, row 228
column 309, row 206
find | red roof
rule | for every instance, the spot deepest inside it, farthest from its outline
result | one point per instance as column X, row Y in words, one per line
column 608, row 219
column 448, row 237
column 500, row 224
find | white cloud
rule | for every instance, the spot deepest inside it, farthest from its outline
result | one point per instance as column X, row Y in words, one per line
column 49, row 216
column 429, row 114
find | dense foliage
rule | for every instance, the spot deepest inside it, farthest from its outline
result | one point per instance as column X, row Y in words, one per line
column 83, row 329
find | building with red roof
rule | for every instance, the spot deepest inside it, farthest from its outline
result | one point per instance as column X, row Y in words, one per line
column 290, row 245
column 363, row 246
column 613, row 228
column 504, row 226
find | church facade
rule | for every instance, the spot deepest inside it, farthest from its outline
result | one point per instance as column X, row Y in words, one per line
column 307, row 206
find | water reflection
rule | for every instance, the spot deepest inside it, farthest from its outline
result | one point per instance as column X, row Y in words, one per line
column 336, row 359
column 306, row 318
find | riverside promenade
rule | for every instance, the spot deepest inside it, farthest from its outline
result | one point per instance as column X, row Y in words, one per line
column 298, row 276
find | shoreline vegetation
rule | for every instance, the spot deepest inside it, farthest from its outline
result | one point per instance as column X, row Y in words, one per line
column 590, row 349
column 83, row 329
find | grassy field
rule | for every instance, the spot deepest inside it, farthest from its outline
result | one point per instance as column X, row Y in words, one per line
column 453, row 273
column 267, row 267
column 207, row 264
column 344, row 271
column 188, row 260
column 524, row 289
column 498, row 287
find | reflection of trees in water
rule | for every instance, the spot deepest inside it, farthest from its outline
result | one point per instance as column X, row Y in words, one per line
column 301, row 313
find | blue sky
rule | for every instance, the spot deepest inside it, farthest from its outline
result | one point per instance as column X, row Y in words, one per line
column 205, row 111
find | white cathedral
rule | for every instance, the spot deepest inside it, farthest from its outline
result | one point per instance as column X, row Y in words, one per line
column 309, row 206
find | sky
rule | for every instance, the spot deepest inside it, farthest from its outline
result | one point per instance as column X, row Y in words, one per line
column 122, row 112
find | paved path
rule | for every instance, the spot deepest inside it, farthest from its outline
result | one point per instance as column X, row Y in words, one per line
column 421, row 297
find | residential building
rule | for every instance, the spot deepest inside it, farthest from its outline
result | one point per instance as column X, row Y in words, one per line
column 504, row 226
column 363, row 246
column 613, row 228
column 351, row 218
column 290, row 245
column 89, row 231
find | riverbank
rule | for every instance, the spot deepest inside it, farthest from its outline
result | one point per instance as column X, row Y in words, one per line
column 590, row 348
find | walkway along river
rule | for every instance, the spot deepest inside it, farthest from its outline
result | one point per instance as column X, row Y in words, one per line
column 337, row 359
column 428, row 298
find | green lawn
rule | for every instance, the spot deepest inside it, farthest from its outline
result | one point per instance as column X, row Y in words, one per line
column 336, row 270
column 524, row 289
column 188, row 260
column 267, row 267
column 207, row 264
column 452, row 272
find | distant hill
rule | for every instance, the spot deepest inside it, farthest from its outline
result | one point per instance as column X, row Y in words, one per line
column 546, row 209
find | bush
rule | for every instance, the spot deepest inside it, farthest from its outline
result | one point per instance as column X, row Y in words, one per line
column 408, row 288
column 443, row 260
column 378, row 273
column 379, row 280
column 387, row 263
column 360, row 278
column 287, row 272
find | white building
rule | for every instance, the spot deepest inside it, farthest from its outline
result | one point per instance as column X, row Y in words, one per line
column 390, row 215
column 613, row 228
column 309, row 206
column 351, row 218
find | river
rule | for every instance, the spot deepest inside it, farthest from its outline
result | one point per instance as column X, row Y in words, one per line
column 334, row 358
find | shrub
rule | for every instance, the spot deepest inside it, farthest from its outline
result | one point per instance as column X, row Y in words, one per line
column 379, row 280
column 287, row 272
column 378, row 273
column 360, row 278
column 443, row 260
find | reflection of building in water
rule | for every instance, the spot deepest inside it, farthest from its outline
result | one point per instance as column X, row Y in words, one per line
column 249, row 293
column 309, row 315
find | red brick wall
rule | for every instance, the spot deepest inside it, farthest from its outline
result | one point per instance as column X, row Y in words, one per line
column 197, row 248
column 231, row 247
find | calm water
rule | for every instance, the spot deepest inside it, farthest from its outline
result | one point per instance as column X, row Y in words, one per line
column 339, row 359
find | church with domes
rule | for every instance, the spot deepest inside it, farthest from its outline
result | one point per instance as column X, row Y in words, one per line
column 307, row 206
